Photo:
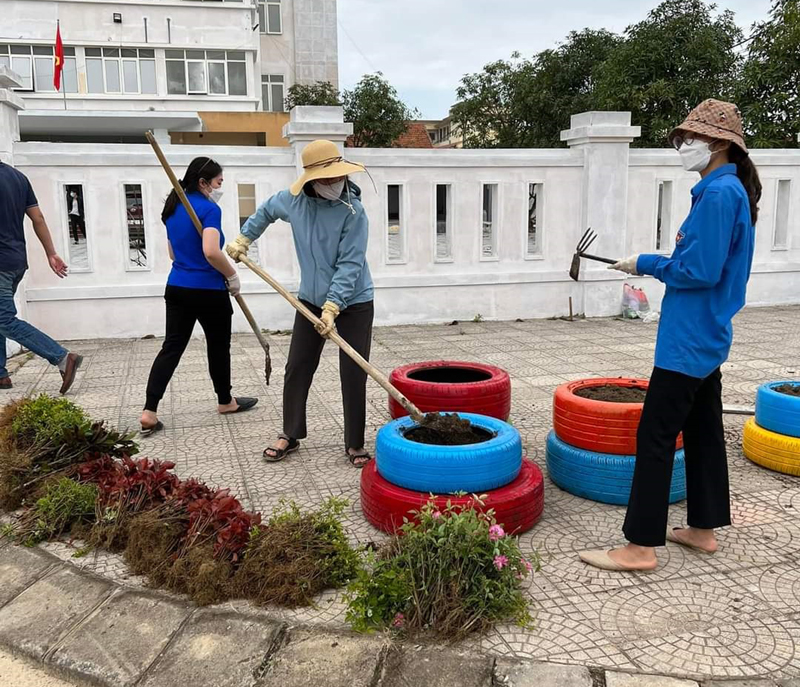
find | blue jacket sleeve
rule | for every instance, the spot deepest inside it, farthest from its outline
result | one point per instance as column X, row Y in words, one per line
column 350, row 259
column 275, row 208
column 699, row 263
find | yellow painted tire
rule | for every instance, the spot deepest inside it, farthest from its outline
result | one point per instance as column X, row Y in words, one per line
column 770, row 450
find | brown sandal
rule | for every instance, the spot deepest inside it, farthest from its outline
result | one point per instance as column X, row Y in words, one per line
column 361, row 455
column 280, row 453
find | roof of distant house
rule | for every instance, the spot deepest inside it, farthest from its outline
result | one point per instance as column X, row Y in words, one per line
column 416, row 136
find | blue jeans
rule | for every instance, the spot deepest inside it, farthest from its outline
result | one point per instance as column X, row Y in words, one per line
column 23, row 333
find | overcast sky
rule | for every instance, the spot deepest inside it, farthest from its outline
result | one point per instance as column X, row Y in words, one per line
column 424, row 47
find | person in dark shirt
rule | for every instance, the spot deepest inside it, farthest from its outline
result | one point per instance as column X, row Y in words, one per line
column 197, row 291
column 17, row 199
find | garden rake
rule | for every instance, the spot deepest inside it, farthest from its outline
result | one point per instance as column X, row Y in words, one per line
column 586, row 241
column 196, row 221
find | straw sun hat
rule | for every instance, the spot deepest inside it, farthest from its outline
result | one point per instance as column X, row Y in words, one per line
column 322, row 160
column 716, row 119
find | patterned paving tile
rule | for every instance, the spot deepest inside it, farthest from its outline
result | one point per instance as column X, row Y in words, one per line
column 730, row 615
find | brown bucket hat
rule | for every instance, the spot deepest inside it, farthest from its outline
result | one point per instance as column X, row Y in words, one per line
column 717, row 119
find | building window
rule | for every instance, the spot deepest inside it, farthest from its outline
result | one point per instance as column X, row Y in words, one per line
column 247, row 208
column 533, row 239
column 444, row 221
column 134, row 219
column 269, row 16
column 272, row 98
column 36, row 64
column 120, row 70
column 78, row 239
column 395, row 229
column 664, row 215
column 780, row 237
column 201, row 72
column 489, row 221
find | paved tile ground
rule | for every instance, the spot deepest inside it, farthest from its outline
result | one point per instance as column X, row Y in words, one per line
column 733, row 615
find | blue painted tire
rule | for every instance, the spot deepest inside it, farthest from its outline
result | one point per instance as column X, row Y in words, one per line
column 475, row 468
column 777, row 412
column 601, row 476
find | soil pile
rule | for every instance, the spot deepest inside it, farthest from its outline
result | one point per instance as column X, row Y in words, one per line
column 447, row 430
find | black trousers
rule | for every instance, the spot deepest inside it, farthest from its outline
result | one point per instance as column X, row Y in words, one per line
column 676, row 402
column 354, row 324
column 77, row 227
column 213, row 310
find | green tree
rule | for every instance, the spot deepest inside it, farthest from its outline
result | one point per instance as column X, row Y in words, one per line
column 378, row 115
column 524, row 103
column 318, row 93
column 769, row 94
column 681, row 54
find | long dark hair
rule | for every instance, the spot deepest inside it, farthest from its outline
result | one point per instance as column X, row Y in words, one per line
column 200, row 168
column 748, row 175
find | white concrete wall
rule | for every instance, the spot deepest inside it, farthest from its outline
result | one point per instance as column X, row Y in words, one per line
column 111, row 300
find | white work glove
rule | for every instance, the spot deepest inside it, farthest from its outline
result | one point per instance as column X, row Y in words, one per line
column 627, row 265
column 238, row 247
column 330, row 311
column 234, row 284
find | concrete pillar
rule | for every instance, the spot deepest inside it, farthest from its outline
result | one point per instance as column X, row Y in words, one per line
column 604, row 138
column 162, row 137
column 307, row 124
column 10, row 105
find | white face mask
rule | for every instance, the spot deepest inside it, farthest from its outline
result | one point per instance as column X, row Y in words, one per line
column 695, row 156
column 329, row 191
column 216, row 194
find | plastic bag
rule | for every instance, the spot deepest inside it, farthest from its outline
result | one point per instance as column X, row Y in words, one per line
column 634, row 303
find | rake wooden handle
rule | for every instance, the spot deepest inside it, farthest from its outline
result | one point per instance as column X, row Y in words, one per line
column 334, row 336
column 197, row 225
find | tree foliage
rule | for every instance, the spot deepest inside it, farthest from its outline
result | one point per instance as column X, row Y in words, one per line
column 378, row 115
column 318, row 93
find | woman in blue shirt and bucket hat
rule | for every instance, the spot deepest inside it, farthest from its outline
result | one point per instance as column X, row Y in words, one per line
column 706, row 278
column 330, row 230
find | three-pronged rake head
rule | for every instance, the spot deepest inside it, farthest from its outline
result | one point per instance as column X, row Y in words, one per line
column 587, row 240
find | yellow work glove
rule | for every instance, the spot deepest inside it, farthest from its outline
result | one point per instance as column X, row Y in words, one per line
column 238, row 247
column 330, row 311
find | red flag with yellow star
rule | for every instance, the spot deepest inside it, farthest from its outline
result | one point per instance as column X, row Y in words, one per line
column 59, row 60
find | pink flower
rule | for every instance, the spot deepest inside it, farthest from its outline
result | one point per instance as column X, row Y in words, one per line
column 500, row 562
column 399, row 620
column 436, row 514
column 496, row 532
column 527, row 565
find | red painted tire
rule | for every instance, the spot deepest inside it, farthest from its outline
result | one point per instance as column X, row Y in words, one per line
column 453, row 386
column 518, row 505
column 598, row 426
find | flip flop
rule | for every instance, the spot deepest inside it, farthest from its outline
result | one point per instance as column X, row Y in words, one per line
column 671, row 536
column 150, row 431
column 353, row 457
column 281, row 453
column 245, row 403
column 601, row 559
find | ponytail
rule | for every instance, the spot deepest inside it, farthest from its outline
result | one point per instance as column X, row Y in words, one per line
column 748, row 175
column 199, row 168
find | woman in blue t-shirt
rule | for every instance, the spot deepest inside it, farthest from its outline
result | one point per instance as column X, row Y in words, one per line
column 197, row 291
column 706, row 278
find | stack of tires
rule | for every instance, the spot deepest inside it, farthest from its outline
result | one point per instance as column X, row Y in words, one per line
column 772, row 438
column 406, row 474
column 591, row 451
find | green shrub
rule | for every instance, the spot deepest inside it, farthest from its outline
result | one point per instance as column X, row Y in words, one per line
column 46, row 420
column 65, row 505
column 452, row 573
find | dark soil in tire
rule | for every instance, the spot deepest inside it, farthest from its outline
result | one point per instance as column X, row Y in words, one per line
column 446, row 430
column 612, row 393
column 449, row 375
column 788, row 389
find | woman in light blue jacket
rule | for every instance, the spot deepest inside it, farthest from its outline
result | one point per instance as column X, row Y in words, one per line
column 330, row 230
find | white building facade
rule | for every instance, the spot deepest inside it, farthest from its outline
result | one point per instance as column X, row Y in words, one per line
column 136, row 61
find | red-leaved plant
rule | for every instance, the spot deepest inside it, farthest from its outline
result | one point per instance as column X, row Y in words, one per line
column 220, row 518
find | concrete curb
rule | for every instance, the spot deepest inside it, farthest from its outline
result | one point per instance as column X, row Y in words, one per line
column 88, row 629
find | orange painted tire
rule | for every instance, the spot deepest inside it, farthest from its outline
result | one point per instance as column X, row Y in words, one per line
column 598, row 426
column 453, row 387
